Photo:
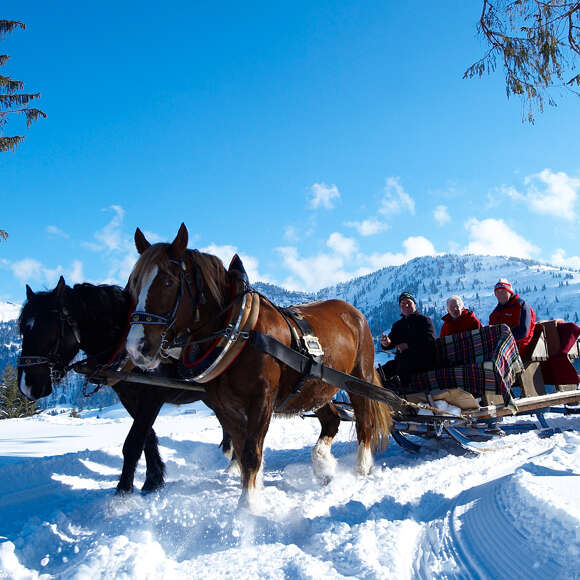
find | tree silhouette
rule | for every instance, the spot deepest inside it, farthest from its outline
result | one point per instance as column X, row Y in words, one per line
column 12, row 99
column 538, row 44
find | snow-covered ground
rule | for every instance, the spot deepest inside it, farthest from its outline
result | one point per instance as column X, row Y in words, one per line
column 513, row 512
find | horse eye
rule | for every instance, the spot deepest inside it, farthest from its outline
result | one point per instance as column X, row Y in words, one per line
column 168, row 283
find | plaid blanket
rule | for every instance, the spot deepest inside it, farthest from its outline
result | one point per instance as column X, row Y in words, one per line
column 484, row 361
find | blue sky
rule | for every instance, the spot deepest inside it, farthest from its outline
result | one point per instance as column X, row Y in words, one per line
column 320, row 140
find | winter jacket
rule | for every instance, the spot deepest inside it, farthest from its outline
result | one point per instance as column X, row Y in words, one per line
column 466, row 321
column 418, row 332
column 519, row 316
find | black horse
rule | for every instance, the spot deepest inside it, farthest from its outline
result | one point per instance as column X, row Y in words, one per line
column 55, row 325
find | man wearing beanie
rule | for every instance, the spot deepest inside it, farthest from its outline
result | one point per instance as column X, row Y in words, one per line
column 515, row 312
column 414, row 338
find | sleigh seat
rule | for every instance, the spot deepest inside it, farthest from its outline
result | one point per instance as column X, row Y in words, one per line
column 474, row 368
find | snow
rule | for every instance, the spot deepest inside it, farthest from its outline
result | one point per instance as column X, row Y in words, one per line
column 511, row 512
column 9, row 311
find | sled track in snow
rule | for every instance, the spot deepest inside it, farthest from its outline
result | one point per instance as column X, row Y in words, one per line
column 486, row 535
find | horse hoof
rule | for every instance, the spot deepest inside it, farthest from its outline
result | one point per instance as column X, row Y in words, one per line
column 150, row 487
column 120, row 492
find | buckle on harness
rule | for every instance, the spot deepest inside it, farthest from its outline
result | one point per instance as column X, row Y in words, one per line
column 312, row 345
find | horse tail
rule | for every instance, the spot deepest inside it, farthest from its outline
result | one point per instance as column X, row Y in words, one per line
column 382, row 422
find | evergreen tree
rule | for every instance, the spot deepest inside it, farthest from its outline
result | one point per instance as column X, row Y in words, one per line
column 538, row 44
column 13, row 403
column 12, row 99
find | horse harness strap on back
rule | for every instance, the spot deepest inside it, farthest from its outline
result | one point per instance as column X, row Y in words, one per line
column 305, row 365
column 305, row 343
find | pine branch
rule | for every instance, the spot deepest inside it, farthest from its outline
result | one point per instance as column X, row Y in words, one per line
column 3, row 59
column 9, row 143
column 19, row 100
column 7, row 26
column 7, row 85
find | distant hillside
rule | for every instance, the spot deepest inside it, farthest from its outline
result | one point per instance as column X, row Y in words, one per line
column 553, row 293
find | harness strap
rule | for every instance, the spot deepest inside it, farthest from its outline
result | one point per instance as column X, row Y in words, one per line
column 316, row 370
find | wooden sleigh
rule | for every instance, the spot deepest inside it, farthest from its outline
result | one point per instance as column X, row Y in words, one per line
column 488, row 384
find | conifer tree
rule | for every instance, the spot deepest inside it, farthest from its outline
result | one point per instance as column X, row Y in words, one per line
column 12, row 99
column 538, row 44
column 13, row 403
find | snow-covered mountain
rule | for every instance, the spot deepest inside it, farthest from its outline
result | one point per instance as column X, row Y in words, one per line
column 553, row 292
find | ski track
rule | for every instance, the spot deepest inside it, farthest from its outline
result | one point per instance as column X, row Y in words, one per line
column 507, row 513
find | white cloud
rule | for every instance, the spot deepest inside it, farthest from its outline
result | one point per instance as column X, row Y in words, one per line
column 327, row 269
column 56, row 231
column 321, row 195
column 559, row 258
column 396, row 199
column 313, row 272
column 27, row 270
column 548, row 193
column 441, row 215
column 226, row 252
column 341, row 244
column 494, row 237
column 290, row 234
column 368, row 227
column 111, row 236
column 414, row 247
column 31, row 271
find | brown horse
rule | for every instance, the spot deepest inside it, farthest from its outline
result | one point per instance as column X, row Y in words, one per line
column 184, row 293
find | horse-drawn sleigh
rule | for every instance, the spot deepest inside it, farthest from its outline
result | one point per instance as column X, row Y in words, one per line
column 199, row 331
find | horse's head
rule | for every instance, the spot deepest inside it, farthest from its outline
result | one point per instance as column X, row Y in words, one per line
column 175, row 289
column 49, row 341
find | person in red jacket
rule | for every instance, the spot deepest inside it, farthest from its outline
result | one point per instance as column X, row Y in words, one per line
column 515, row 312
column 458, row 318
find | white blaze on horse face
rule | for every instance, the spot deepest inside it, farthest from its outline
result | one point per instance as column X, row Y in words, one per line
column 24, row 389
column 136, row 336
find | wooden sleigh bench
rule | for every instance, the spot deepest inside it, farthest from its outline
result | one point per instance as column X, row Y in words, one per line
column 482, row 367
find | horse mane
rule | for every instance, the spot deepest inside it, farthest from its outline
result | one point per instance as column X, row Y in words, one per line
column 214, row 275
column 100, row 311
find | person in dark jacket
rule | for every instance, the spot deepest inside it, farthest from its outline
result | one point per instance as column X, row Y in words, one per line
column 458, row 318
column 515, row 312
column 413, row 336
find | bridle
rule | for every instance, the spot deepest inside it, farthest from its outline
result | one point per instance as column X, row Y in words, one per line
column 57, row 366
column 147, row 318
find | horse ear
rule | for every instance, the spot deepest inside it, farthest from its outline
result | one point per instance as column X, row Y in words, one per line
column 141, row 242
column 60, row 286
column 29, row 293
column 179, row 244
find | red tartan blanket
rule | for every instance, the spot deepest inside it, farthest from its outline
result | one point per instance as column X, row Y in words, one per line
column 483, row 361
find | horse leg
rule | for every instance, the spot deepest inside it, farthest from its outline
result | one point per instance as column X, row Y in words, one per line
column 323, row 462
column 373, row 426
column 155, row 474
column 249, row 449
column 147, row 410
column 228, row 450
